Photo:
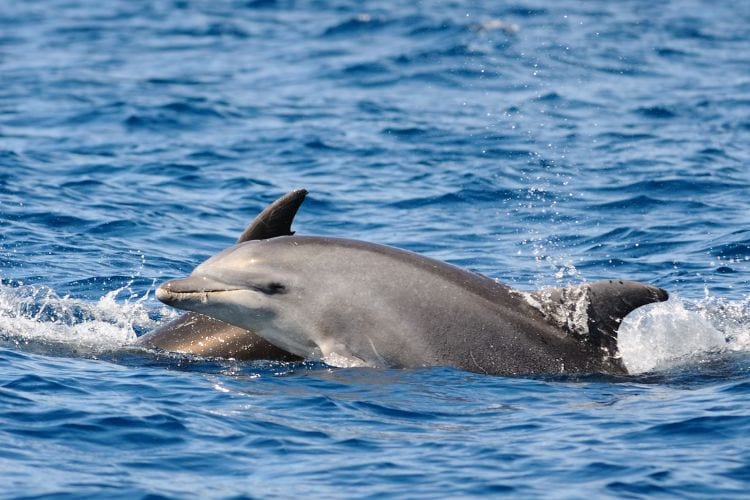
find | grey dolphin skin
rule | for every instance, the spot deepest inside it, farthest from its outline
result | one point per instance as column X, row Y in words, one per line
column 352, row 303
column 206, row 336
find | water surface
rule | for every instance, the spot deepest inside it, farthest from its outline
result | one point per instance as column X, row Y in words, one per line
column 540, row 143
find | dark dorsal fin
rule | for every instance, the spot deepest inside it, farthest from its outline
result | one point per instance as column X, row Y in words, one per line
column 610, row 301
column 276, row 219
column 592, row 312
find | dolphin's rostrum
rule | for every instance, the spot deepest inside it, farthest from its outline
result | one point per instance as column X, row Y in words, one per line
column 357, row 303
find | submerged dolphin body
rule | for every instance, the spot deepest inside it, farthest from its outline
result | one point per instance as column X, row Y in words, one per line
column 200, row 334
column 353, row 303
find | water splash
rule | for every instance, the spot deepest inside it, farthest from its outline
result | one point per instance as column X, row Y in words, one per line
column 664, row 335
column 730, row 317
column 32, row 314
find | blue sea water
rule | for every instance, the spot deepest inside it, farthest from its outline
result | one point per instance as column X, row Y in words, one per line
column 540, row 143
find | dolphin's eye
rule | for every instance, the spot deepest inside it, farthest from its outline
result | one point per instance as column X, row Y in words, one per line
column 273, row 288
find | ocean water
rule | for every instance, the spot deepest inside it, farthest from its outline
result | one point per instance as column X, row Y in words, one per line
column 540, row 143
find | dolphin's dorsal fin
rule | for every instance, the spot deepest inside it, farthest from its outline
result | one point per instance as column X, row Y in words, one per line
column 592, row 312
column 276, row 219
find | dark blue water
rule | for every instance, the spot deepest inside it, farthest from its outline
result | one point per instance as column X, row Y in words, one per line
column 540, row 143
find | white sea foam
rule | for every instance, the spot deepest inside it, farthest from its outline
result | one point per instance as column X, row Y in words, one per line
column 37, row 313
column 662, row 335
column 732, row 318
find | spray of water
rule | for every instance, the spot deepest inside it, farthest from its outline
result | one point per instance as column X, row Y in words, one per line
column 660, row 336
column 36, row 313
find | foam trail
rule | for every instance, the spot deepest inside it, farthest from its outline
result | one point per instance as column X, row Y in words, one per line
column 36, row 313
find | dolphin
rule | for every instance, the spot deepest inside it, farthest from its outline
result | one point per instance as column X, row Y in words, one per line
column 206, row 336
column 354, row 303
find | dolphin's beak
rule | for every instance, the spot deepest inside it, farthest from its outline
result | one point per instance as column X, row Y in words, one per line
column 175, row 291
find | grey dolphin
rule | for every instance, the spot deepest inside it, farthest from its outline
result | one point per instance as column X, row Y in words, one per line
column 200, row 334
column 352, row 303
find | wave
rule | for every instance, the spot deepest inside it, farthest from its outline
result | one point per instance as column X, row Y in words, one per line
column 361, row 23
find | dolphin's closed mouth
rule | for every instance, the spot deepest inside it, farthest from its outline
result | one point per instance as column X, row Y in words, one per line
column 187, row 288
column 176, row 290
